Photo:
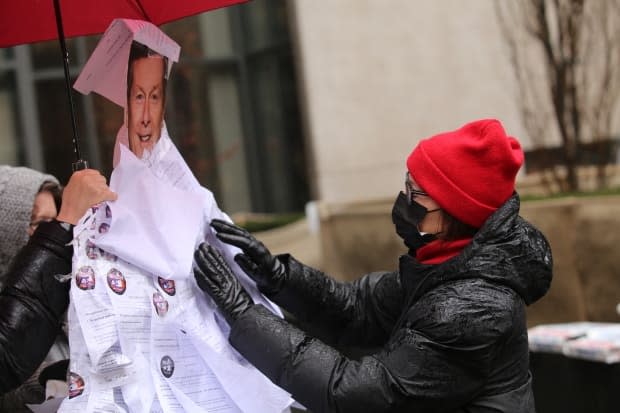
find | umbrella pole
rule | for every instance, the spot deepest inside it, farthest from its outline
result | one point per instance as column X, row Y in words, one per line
column 79, row 163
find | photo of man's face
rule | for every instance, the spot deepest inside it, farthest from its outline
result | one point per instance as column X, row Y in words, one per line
column 145, row 103
column 160, row 303
column 85, row 278
column 104, row 227
column 76, row 385
column 91, row 250
column 167, row 285
column 116, row 281
column 167, row 366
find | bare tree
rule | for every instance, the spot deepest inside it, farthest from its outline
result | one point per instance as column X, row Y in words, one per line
column 566, row 58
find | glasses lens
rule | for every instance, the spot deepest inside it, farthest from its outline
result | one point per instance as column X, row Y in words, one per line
column 411, row 192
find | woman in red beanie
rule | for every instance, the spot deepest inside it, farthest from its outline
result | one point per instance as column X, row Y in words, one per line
column 448, row 328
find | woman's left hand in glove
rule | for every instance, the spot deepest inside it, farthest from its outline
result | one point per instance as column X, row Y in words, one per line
column 215, row 277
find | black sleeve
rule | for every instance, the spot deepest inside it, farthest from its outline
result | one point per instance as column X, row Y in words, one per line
column 411, row 373
column 32, row 303
column 362, row 312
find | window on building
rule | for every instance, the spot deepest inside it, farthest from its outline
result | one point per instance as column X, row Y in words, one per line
column 9, row 145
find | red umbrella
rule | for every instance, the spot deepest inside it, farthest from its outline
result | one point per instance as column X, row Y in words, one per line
column 27, row 21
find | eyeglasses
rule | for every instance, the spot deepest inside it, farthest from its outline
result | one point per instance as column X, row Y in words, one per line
column 411, row 192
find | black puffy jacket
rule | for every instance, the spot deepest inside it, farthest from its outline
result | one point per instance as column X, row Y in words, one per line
column 32, row 303
column 452, row 337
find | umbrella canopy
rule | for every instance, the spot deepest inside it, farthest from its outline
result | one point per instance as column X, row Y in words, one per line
column 38, row 20
column 34, row 20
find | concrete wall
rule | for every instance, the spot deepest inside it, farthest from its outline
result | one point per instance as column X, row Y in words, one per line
column 379, row 75
column 584, row 234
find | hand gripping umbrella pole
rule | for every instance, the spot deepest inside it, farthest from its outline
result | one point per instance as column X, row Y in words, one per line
column 80, row 163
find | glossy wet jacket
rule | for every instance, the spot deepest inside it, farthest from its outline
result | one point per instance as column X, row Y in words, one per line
column 452, row 337
column 33, row 303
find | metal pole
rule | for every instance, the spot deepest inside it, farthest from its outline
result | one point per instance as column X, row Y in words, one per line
column 79, row 163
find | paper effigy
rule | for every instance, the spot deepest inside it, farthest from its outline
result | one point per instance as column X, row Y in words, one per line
column 143, row 336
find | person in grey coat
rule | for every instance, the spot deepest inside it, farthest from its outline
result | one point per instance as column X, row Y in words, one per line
column 446, row 332
column 32, row 298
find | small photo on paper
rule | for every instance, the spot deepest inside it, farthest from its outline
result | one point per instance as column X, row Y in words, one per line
column 76, row 385
column 160, row 303
column 167, row 366
column 167, row 285
column 116, row 281
column 85, row 278
column 91, row 250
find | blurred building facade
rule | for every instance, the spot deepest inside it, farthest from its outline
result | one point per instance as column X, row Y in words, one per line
column 276, row 103
column 232, row 108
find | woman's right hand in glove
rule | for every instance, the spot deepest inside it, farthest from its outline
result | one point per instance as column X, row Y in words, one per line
column 265, row 269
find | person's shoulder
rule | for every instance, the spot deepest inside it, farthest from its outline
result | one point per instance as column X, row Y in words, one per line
column 534, row 250
column 474, row 309
column 525, row 226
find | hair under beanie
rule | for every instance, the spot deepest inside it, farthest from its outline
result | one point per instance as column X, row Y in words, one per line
column 18, row 188
column 470, row 172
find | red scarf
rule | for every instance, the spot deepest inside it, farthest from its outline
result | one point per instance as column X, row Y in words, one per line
column 438, row 251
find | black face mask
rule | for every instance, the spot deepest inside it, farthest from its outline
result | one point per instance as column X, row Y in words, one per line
column 407, row 219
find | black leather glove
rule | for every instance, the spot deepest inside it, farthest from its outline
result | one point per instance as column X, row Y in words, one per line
column 215, row 277
column 265, row 269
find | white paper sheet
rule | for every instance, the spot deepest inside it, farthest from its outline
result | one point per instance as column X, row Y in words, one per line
column 152, row 216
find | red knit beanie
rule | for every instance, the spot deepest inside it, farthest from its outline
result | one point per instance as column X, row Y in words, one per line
column 469, row 172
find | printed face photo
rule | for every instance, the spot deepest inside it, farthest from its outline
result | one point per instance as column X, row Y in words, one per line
column 145, row 104
column 85, row 278
column 116, row 281
column 76, row 385
column 167, row 285
column 160, row 303
column 91, row 250
column 103, row 228
column 167, row 366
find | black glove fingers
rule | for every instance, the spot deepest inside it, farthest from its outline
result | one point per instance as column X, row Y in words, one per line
column 204, row 282
column 200, row 278
column 247, row 265
column 260, row 255
column 229, row 228
column 233, row 239
column 218, row 263
column 200, row 252
column 214, row 276
column 210, row 263
column 204, row 259
column 207, row 274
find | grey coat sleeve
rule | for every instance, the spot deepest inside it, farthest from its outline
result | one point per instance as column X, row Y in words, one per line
column 33, row 303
